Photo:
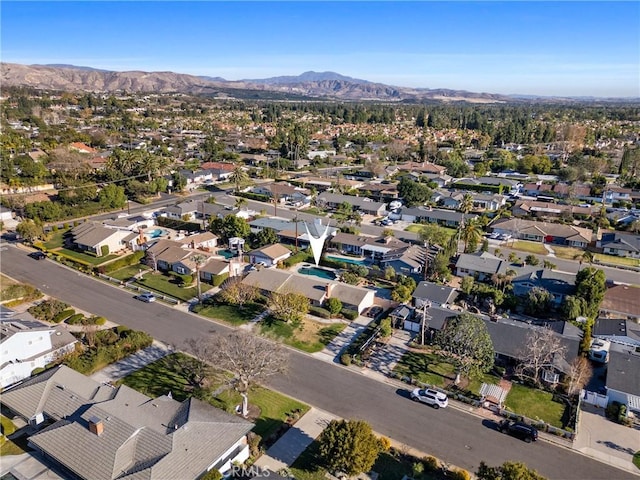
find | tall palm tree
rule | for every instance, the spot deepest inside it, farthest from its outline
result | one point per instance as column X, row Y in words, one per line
column 586, row 256
column 471, row 233
column 238, row 176
column 241, row 202
column 466, row 205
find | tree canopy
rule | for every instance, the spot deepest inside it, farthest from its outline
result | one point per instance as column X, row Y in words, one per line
column 349, row 446
column 507, row 471
column 465, row 338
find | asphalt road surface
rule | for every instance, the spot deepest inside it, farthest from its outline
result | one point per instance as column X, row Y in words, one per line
column 449, row 434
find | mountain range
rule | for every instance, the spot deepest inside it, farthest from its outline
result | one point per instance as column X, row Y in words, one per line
column 307, row 86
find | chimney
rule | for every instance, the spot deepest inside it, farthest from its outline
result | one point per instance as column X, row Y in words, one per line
column 329, row 288
column 96, row 426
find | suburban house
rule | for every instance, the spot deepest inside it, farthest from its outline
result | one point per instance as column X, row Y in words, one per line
column 510, row 338
column 363, row 204
column 405, row 261
column 380, row 192
column 481, row 201
column 445, row 218
column 206, row 241
column 95, row 238
column 422, row 167
column 480, row 265
column 623, row 381
column 537, row 189
column 617, row 330
column 269, row 255
column 317, row 290
column 545, row 232
column 220, row 170
column 188, row 210
column 435, row 321
column 621, row 301
column 27, row 344
column 526, row 208
column 214, row 268
column 167, row 253
column 95, row 431
column 372, row 247
column 558, row 284
column 276, row 224
column 617, row 194
column 284, row 192
column 433, row 294
column 623, row 218
column 132, row 223
column 621, row 244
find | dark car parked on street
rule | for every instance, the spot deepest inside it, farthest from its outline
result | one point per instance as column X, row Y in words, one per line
column 38, row 255
column 519, row 430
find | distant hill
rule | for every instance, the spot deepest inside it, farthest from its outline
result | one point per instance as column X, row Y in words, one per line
column 307, row 86
column 306, row 77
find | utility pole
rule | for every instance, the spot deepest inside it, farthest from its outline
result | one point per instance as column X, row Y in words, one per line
column 423, row 325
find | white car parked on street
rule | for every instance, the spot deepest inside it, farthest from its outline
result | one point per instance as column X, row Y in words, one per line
column 430, row 397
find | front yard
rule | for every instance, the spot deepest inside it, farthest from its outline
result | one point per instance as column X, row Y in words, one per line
column 529, row 247
column 231, row 314
column 83, row 257
column 164, row 376
column 310, row 336
column 535, row 404
column 166, row 285
column 624, row 261
column 426, row 367
column 131, row 271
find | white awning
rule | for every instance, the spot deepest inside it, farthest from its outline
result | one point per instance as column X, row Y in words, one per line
column 494, row 391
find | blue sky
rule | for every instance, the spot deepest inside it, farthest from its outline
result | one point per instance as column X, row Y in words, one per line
column 543, row 48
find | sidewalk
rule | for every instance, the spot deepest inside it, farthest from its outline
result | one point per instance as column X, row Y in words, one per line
column 131, row 363
column 289, row 447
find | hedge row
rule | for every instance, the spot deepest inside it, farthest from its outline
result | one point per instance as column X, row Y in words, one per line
column 327, row 262
column 349, row 314
column 123, row 262
column 254, row 196
column 62, row 316
column 298, row 258
column 219, row 279
column 319, row 312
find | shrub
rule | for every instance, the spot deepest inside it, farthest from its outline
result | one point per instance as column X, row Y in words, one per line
column 459, row 474
column 20, row 291
column 38, row 370
column 385, row 328
column 63, row 315
column 327, row 262
column 349, row 314
column 334, row 305
column 297, row 258
column 98, row 320
column 431, row 463
column 213, row 474
column 319, row 312
column 219, row 279
column 75, row 319
column 47, row 310
column 345, row 359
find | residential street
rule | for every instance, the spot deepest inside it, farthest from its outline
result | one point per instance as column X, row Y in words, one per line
column 447, row 433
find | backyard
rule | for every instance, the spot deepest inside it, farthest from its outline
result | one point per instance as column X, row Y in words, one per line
column 309, row 336
column 417, row 228
column 165, row 376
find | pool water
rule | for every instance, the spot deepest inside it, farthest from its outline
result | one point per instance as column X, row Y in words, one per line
column 347, row 260
column 318, row 272
column 157, row 233
column 226, row 253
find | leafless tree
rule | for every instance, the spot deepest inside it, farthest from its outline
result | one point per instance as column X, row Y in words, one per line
column 237, row 293
column 375, row 167
column 579, row 374
column 542, row 348
column 151, row 260
column 249, row 358
column 196, row 365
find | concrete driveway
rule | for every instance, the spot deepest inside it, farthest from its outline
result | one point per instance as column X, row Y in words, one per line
column 130, row 364
column 605, row 440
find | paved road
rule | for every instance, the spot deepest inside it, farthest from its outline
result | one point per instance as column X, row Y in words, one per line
column 447, row 433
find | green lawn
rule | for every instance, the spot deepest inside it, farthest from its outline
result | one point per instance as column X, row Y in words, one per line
column 628, row 262
column 529, row 247
column 83, row 257
column 636, row 459
column 230, row 313
column 476, row 382
column 535, row 404
column 568, row 253
column 311, row 337
column 166, row 375
column 8, row 447
column 429, row 368
column 417, row 228
column 165, row 285
column 127, row 272
column 56, row 240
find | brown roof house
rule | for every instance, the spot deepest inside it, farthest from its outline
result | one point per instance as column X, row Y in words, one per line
column 97, row 239
column 270, row 255
column 95, row 431
column 555, row 233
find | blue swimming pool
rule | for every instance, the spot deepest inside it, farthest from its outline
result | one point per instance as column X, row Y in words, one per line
column 157, row 232
column 318, row 272
column 347, row 260
column 226, row 253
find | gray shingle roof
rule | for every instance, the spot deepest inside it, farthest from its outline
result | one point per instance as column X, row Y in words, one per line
column 142, row 437
column 623, row 372
column 437, row 294
column 481, row 262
